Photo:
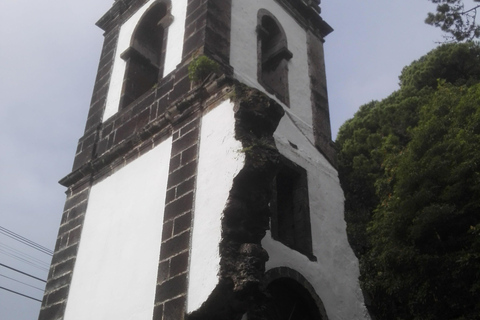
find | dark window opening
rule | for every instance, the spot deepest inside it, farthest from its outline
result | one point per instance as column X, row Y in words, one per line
column 146, row 54
column 290, row 223
column 287, row 300
column 273, row 56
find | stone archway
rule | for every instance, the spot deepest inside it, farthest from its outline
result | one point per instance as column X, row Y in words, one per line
column 289, row 296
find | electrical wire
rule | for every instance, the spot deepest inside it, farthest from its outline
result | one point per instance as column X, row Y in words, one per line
column 33, row 259
column 24, row 273
column 20, row 294
column 33, row 264
column 25, row 241
column 40, row 289
column 28, row 259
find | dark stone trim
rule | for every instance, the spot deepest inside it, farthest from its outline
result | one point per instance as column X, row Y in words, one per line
column 86, row 146
column 319, row 98
column 138, row 123
column 195, row 24
column 307, row 13
column 66, row 248
column 172, row 281
column 118, row 151
column 217, row 34
column 120, row 11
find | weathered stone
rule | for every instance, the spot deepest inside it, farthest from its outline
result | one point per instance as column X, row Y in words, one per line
column 246, row 215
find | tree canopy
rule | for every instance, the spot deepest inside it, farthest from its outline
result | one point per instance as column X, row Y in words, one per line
column 458, row 22
column 410, row 169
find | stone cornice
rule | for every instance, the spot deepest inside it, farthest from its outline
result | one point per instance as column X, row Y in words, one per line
column 307, row 12
column 161, row 127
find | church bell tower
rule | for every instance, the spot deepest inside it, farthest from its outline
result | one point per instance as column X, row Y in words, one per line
column 205, row 186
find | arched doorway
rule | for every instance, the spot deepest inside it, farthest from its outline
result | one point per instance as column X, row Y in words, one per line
column 289, row 296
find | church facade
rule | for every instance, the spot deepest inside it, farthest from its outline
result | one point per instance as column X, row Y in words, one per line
column 204, row 186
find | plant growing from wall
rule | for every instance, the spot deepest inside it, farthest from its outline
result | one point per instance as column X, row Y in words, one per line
column 201, row 67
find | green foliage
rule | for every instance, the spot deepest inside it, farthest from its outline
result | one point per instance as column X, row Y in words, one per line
column 423, row 255
column 457, row 64
column 201, row 67
column 378, row 129
column 410, row 169
column 457, row 22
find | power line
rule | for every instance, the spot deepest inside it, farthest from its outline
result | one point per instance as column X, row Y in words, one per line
column 25, row 255
column 1, row 275
column 24, row 273
column 33, row 264
column 25, row 241
column 20, row 294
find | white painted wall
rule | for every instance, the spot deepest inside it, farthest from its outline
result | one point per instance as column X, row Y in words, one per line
column 173, row 53
column 220, row 160
column 243, row 56
column 115, row 273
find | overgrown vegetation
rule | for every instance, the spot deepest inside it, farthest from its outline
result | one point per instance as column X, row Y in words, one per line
column 201, row 67
column 410, row 169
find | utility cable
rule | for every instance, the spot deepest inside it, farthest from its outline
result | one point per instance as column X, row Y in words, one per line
column 24, row 255
column 24, row 273
column 25, row 241
column 1, row 275
column 20, row 294
column 14, row 256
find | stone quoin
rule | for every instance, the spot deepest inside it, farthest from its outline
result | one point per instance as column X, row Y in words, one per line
column 204, row 186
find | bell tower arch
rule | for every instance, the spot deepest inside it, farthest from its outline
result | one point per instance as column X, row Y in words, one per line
column 204, row 185
column 145, row 56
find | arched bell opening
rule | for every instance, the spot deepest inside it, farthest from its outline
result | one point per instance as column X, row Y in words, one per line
column 146, row 55
column 273, row 56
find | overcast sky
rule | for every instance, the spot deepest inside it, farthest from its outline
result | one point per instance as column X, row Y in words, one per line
column 49, row 54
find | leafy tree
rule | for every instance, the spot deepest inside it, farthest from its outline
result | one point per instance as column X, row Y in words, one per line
column 452, row 18
column 364, row 141
column 410, row 169
column 457, row 64
column 424, row 258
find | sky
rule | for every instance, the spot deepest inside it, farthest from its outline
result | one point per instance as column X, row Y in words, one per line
column 49, row 54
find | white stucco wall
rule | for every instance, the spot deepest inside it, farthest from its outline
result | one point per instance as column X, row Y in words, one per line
column 243, row 55
column 116, row 269
column 220, row 160
column 173, row 54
